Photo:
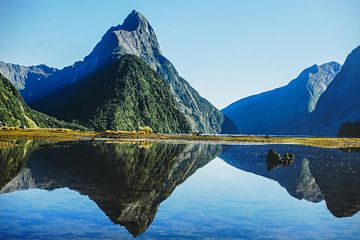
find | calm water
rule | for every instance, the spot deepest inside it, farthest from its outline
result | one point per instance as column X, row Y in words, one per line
column 171, row 191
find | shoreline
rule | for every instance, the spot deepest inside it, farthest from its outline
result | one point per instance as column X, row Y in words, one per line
column 57, row 135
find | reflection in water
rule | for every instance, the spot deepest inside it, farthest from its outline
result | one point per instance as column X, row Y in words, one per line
column 306, row 185
column 126, row 181
column 350, row 150
column 13, row 159
column 317, row 174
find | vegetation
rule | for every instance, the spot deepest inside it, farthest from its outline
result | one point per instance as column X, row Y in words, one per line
column 6, row 144
column 146, row 130
column 49, row 134
column 13, row 159
column 350, row 129
column 125, row 95
column 66, row 135
column 15, row 113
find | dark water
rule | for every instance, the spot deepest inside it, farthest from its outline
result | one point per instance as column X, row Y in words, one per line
column 173, row 191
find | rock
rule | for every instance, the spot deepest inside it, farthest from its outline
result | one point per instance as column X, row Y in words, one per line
column 274, row 159
column 273, row 156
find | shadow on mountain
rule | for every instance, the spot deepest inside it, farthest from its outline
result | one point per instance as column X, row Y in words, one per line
column 317, row 173
column 127, row 181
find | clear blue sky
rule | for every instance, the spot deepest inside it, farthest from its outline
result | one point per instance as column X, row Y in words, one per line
column 226, row 49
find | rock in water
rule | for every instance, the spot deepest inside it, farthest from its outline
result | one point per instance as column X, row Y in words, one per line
column 275, row 160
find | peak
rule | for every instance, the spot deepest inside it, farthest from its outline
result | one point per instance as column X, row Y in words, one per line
column 333, row 65
column 315, row 68
column 133, row 21
column 312, row 69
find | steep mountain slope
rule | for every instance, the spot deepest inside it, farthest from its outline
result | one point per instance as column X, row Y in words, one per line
column 14, row 111
column 135, row 36
column 25, row 78
column 283, row 110
column 341, row 101
column 123, row 95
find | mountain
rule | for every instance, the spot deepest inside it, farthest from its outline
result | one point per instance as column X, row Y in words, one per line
column 25, row 78
column 14, row 111
column 123, row 95
column 136, row 37
column 284, row 110
column 126, row 181
column 341, row 101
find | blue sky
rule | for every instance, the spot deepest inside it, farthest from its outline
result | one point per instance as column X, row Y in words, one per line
column 226, row 49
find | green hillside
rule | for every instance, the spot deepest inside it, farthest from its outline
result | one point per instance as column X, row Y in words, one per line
column 123, row 95
column 15, row 113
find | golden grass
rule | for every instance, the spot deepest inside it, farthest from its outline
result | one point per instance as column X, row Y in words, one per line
column 50, row 134
column 324, row 142
column 70, row 135
column 5, row 144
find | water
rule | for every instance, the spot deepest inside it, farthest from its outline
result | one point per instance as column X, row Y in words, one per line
column 167, row 190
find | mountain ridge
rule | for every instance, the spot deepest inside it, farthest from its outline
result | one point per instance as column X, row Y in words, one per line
column 283, row 110
column 340, row 103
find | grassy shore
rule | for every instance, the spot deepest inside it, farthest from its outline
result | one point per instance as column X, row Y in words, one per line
column 6, row 144
column 70, row 135
column 50, row 134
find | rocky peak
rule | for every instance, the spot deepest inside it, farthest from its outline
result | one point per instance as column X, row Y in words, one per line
column 134, row 21
column 315, row 80
column 135, row 36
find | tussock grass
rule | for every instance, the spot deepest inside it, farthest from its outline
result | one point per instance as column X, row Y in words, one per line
column 60, row 134
column 51, row 134
column 5, row 144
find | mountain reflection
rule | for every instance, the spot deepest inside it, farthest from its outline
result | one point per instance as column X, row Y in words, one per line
column 317, row 174
column 127, row 181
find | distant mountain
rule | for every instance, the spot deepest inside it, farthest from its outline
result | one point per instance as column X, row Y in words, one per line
column 341, row 101
column 15, row 113
column 284, row 110
column 25, row 79
column 136, row 37
column 123, row 95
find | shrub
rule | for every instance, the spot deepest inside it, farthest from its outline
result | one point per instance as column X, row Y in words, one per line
column 146, row 130
column 350, row 129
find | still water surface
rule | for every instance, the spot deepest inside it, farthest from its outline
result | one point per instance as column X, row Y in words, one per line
column 171, row 191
